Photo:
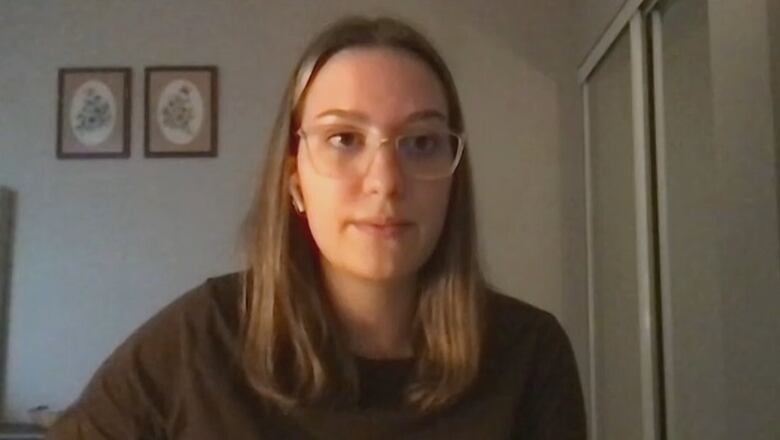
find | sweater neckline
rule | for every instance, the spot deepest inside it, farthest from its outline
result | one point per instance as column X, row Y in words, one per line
column 384, row 362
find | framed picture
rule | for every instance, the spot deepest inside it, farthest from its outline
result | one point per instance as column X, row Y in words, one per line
column 93, row 112
column 181, row 111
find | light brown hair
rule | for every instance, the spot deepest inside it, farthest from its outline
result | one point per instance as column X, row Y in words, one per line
column 292, row 351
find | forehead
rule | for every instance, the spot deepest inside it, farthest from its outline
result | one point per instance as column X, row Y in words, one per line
column 384, row 84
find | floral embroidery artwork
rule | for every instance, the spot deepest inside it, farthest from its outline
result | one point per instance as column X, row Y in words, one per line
column 93, row 110
column 180, row 111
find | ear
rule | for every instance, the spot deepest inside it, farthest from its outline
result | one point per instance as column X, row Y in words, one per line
column 295, row 188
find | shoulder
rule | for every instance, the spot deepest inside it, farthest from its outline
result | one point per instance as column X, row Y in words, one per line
column 515, row 316
column 201, row 321
column 219, row 294
column 214, row 302
column 531, row 358
column 188, row 324
column 518, row 328
column 217, row 300
column 133, row 392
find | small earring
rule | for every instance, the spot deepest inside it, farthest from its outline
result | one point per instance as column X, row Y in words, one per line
column 296, row 199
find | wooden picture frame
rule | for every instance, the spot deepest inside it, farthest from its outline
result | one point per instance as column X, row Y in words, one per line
column 93, row 112
column 181, row 111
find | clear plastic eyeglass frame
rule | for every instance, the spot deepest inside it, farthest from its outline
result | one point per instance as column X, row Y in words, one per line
column 375, row 139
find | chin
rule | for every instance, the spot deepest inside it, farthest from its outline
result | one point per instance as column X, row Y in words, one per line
column 382, row 270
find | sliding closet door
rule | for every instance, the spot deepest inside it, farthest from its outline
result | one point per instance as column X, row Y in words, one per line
column 689, row 221
column 718, row 218
column 620, row 280
column 710, row 217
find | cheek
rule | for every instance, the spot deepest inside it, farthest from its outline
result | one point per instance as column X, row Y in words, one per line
column 432, row 205
column 326, row 203
column 323, row 211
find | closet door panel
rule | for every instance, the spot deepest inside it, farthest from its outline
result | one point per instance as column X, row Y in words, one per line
column 613, row 248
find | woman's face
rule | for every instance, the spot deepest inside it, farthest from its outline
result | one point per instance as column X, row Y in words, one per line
column 380, row 224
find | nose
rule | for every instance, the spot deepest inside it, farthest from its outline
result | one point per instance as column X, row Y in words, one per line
column 384, row 175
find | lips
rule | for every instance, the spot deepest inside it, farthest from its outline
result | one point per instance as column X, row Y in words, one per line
column 383, row 228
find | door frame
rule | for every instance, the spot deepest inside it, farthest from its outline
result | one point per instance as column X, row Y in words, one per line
column 630, row 18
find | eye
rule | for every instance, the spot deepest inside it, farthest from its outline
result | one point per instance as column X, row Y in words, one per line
column 346, row 140
column 422, row 144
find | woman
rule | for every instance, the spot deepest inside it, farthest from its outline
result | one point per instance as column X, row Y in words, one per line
column 363, row 313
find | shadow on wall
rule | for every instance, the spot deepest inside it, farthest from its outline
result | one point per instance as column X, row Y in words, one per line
column 531, row 29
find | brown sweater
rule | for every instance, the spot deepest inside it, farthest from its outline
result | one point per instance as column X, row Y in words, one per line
column 177, row 377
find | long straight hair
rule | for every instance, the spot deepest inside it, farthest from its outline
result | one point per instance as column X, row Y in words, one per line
column 292, row 351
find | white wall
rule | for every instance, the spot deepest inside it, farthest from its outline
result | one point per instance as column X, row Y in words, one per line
column 102, row 244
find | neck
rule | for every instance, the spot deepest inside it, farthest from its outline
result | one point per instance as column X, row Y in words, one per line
column 376, row 315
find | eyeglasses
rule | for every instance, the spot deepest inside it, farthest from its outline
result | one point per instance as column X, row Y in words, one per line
column 341, row 151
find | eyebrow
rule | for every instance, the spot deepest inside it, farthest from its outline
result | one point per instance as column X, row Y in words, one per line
column 362, row 117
